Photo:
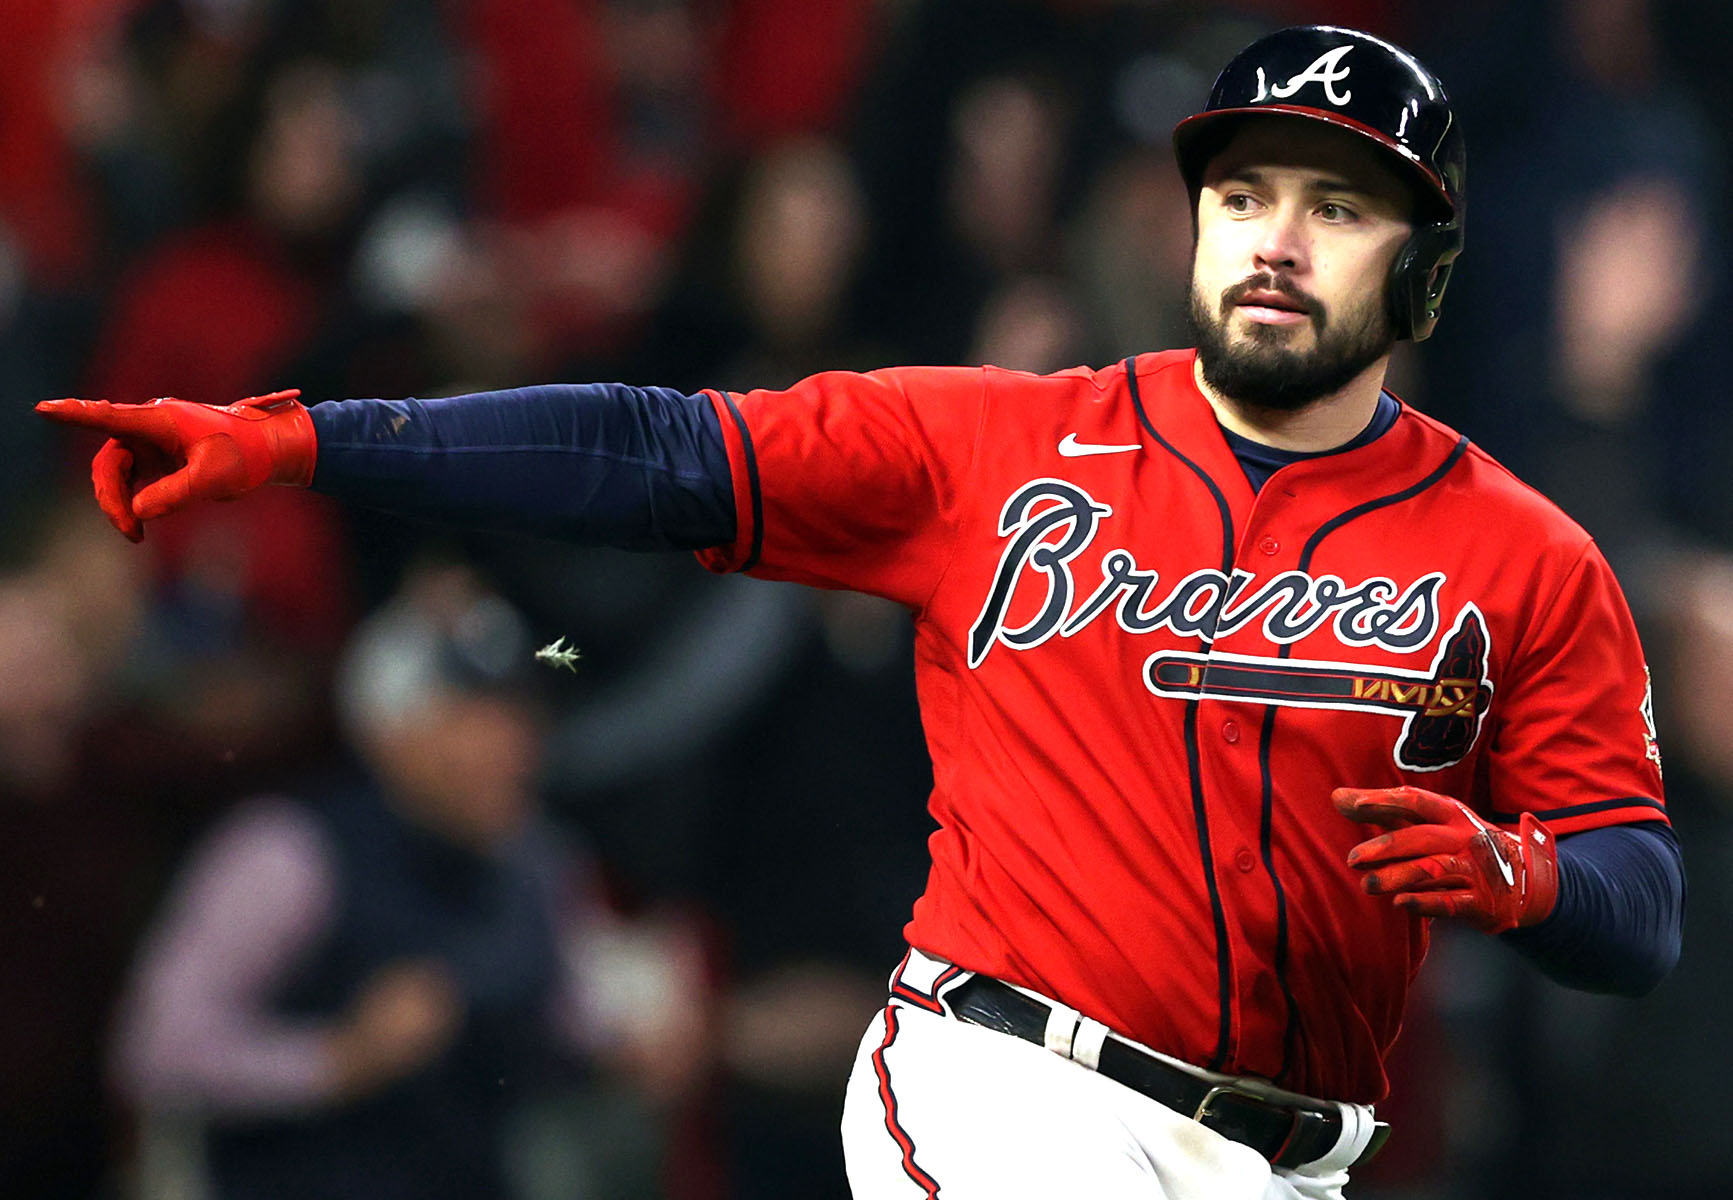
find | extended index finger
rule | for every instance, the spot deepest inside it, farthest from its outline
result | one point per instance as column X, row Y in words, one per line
column 121, row 420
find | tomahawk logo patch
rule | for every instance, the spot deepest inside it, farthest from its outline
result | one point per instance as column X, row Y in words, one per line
column 1326, row 70
column 1441, row 709
column 1651, row 746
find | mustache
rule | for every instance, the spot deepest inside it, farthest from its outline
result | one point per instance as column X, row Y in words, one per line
column 1310, row 305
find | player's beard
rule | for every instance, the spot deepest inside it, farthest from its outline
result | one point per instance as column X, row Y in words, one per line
column 1261, row 368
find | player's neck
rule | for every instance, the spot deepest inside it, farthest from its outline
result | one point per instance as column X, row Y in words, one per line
column 1324, row 424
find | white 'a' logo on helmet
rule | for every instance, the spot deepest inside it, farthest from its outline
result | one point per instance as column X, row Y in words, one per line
column 1326, row 69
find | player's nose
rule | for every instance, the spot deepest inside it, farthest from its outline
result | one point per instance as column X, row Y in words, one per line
column 1281, row 241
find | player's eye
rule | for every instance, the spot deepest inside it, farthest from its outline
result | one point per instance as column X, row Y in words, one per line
column 1238, row 202
column 1336, row 213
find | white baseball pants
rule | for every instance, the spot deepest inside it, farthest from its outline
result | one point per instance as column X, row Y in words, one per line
column 939, row 1108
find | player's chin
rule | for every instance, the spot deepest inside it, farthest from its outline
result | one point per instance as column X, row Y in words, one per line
column 1290, row 335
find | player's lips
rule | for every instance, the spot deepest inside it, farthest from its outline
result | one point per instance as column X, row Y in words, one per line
column 1269, row 307
column 1265, row 315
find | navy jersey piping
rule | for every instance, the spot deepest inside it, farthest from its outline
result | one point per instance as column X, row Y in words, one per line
column 1215, row 491
column 1581, row 810
column 1408, row 493
column 752, row 483
column 1200, row 817
column 1291, row 1033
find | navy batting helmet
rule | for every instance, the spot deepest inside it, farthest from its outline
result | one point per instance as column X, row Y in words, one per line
column 1367, row 86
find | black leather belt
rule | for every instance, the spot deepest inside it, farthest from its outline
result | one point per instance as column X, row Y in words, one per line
column 1288, row 1136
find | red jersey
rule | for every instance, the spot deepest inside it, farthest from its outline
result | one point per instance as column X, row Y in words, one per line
column 1140, row 681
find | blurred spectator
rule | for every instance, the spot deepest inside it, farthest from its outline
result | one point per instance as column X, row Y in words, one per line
column 925, row 155
column 768, row 296
column 1577, row 334
column 40, row 340
column 44, row 214
column 225, row 686
column 403, row 79
column 356, row 988
column 675, row 666
column 813, row 871
column 1005, row 170
column 79, row 855
column 596, row 125
column 157, row 106
column 793, row 65
column 1131, row 248
column 1005, row 163
column 222, row 308
column 1030, row 324
column 801, row 229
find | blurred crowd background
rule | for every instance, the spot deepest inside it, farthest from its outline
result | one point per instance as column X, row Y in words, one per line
column 313, row 885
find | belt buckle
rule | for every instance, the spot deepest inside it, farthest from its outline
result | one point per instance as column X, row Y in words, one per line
column 1231, row 1088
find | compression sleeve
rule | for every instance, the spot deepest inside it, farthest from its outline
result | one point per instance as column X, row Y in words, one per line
column 1621, row 906
column 599, row 464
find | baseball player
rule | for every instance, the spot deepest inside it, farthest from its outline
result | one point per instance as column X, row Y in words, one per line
column 1236, row 672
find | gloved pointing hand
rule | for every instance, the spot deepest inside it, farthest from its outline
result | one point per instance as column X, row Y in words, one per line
column 172, row 452
column 1441, row 860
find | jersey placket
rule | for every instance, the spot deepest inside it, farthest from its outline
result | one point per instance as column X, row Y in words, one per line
column 1235, row 744
column 1201, row 721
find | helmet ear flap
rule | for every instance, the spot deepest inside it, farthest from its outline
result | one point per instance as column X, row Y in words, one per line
column 1418, row 278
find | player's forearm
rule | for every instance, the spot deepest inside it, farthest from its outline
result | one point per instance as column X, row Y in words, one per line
column 601, row 464
column 1620, row 911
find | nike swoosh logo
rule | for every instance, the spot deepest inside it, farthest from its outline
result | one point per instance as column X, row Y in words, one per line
column 1072, row 448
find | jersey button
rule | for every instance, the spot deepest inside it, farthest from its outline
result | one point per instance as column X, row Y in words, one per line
column 1245, row 860
column 1230, row 732
column 1269, row 545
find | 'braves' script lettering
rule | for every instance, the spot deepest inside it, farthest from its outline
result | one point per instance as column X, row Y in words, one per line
column 1050, row 522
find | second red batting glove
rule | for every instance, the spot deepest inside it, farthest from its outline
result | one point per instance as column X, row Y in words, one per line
column 1442, row 860
column 165, row 454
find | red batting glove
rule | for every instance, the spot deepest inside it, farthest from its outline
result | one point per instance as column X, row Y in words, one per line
column 173, row 452
column 1441, row 860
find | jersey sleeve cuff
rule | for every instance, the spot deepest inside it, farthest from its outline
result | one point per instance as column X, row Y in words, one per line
column 743, row 552
column 1597, row 814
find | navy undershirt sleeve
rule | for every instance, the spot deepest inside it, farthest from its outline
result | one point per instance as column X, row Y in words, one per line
column 1620, row 914
column 600, row 464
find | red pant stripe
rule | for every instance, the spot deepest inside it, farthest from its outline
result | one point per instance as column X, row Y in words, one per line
column 903, row 992
column 930, row 1002
column 889, row 1099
